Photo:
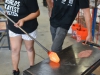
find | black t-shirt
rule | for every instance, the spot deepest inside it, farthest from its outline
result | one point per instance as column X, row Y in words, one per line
column 18, row 9
column 65, row 11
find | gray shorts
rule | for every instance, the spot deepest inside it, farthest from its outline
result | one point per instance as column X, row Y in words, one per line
column 58, row 36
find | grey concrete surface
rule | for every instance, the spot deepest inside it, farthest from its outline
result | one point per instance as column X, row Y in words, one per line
column 43, row 36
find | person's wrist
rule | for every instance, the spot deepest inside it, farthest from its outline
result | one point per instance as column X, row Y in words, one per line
column 89, row 32
column 23, row 19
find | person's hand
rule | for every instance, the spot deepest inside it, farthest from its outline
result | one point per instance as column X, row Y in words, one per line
column 19, row 23
column 88, row 38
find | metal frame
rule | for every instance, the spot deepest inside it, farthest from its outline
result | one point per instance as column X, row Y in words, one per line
column 91, row 68
column 3, row 34
column 94, row 22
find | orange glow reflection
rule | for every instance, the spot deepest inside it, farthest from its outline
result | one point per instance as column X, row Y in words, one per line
column 54, row 65
column 54, row 57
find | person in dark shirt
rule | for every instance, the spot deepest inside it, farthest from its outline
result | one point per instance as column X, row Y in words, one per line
column 62, row 14
column 24, row 13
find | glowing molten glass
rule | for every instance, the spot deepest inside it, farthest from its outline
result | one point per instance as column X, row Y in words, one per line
column 53, row 57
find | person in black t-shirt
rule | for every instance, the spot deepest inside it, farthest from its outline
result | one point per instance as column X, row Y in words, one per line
column 62, row 14
column 24, row 13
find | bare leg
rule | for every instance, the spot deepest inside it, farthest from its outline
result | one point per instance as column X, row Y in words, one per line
column 16, row 43
column 30, row 50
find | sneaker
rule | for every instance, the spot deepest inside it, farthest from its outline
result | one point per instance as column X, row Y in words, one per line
column 16, row 72
column 30, row 66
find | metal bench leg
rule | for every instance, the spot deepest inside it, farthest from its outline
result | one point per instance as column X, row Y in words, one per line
column 8, row 37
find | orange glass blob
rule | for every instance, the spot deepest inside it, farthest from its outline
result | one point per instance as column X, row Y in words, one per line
column 54, row 65
column 54, row 57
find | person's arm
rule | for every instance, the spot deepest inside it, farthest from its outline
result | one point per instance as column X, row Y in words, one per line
column 88, row 21
column 50, row 6
column 32, row 16
column 27, row 18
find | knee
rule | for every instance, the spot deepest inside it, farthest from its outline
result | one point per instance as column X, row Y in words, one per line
column 15, row 51
column 30, row 48
column 56, row 49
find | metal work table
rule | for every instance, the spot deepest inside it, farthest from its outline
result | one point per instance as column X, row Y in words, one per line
column 70, row 64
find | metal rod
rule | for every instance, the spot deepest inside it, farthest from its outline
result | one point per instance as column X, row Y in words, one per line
column 25, row 32
column 92, row 43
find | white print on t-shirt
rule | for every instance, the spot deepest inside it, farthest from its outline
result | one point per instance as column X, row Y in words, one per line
column 70, row 3
column 12, row 7
column 63, row 1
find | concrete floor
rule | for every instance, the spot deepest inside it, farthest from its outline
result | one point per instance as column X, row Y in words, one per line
column 43, row 36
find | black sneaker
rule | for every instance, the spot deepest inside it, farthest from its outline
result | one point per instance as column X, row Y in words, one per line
column 16, row 72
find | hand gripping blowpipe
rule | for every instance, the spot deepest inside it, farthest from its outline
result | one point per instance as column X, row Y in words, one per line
column 52, row 55
column 92, row 44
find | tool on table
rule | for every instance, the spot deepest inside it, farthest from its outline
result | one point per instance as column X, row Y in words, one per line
column 70, row 64
column 92, row 44
column 52, row 55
